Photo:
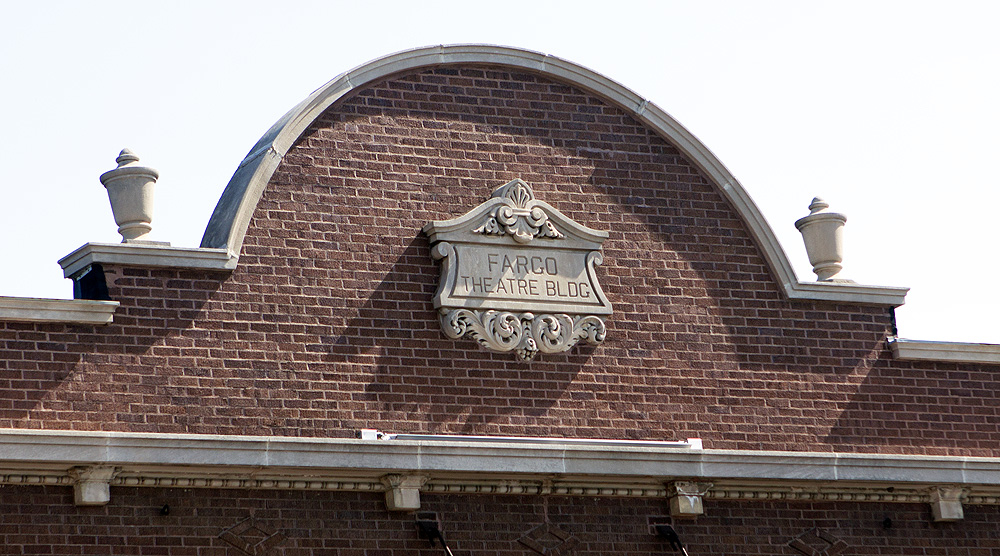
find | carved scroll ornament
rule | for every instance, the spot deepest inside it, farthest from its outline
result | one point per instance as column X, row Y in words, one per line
column 524, row 333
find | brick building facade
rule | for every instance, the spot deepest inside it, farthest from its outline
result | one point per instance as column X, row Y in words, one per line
column 214, row 404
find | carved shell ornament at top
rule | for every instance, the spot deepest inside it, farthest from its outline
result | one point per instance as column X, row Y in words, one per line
column 517, row 217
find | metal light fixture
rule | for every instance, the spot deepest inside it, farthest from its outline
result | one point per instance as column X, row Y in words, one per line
column 428, row 528
column 668, row 533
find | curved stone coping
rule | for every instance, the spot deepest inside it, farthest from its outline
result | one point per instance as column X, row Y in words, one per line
column 952, row 352
column 146, row 255
column 166, row 457
column 69, row 311
column 231, row 217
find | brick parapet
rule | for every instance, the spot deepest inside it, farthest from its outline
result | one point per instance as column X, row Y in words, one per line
column 326, row 325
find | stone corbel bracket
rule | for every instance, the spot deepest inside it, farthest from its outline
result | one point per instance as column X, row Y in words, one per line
column 946, row 502
column 92, row 485
column 519, row 276
column 686, row 498
column 403, row 491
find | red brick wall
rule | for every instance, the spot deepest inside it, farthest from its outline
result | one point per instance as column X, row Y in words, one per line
column 42, row 520
column 327, row 325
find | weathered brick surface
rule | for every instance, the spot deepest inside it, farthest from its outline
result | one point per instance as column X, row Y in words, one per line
column 42, row 520
column 327, row 325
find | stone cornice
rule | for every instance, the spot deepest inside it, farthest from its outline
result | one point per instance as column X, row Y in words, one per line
column 189, row 461
column 952, row 352
column 70, row 311
column 146, row 255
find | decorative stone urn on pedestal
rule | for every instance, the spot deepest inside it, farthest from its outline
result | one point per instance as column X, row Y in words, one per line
column 130, row 190
column 823, row 233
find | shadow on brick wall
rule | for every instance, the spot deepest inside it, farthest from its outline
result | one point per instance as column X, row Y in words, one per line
column 422, row 381
column 105, row 377
column 924, row 408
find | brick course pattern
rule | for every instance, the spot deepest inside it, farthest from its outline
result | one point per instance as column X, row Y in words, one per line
column 327, row 326
column 206, row 522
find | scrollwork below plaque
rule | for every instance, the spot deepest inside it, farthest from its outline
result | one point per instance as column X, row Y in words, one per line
column 524, row 333
column 518, row 275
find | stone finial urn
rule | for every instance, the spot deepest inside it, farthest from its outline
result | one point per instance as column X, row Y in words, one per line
column 823, row 233
column 130, row 190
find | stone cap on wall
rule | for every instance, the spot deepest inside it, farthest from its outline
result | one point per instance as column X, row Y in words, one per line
column 68, row 311
column 146, row 255
column 951, row 352
column 86, row 311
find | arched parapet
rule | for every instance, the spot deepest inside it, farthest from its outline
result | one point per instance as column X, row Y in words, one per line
column 229, row 221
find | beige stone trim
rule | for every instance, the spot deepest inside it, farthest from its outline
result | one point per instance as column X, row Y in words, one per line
column 847, row 292
column 729, row 489
column 946, row 503
column 685, row 498
column 231, row 217
column 70, row 311
column 146, row 255
column 952, row 352
column 402, row 492
column 92, row 485
column 410, row 467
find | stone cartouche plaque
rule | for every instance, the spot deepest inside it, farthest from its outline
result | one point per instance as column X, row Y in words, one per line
column 518, row 275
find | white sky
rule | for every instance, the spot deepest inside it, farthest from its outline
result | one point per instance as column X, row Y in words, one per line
column 888, row 110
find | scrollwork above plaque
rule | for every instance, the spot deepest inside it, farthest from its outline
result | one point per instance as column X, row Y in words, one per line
column 518, row 275
column 520, row 216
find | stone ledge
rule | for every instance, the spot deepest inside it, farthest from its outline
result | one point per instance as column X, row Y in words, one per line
column 145, row 459
column 70, row 311
column 846, row 292
column 951, row 352
column 146, row 255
